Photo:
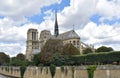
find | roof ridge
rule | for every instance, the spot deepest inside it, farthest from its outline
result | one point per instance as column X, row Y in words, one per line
column 66, row 32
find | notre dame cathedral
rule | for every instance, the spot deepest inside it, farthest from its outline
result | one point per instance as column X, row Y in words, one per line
column 34, row 45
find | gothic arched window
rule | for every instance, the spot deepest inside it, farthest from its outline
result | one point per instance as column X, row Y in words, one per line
column 78, row 42
column 74, row 43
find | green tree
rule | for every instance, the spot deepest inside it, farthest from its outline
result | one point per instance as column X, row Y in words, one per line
column 36, row 59
column 69, row 49
column 52, row 70
column 20, row 56
column 18, row 60
column 4, row 59
column 87, row 50
column 59, row 60
column 104, row 49
column 51, row 47
column 90, row 71
column 22, row 70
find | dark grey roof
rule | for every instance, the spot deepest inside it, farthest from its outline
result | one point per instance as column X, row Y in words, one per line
column 68, row 35
column 51, row 37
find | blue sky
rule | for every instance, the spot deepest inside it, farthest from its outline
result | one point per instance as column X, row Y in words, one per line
column 38, row 18
column 95, row 21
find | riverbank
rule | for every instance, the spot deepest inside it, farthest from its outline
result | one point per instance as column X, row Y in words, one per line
column 7, row 76
column 2, row 76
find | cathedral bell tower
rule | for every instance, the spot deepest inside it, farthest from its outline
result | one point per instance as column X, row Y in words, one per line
column 56, row 30
column 32, row 43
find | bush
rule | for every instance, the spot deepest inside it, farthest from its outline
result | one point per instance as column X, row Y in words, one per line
column 52, row 70
column 22, row 70
column 62, row 69
column 73, row 70
column 91, row 70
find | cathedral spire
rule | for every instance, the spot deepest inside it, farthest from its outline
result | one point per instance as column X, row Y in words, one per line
column 56, row 30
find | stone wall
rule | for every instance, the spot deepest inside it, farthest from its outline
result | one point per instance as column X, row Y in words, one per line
column 79, row 72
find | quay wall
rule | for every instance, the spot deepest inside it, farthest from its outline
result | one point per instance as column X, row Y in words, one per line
column 107, row 71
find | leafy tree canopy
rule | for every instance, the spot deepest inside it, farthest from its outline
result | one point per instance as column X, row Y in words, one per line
column 36, row 58
column 87, row 50
column 18, row 60
column 4, row 59
column 59, row 60
column 69, row 49
column 20, row 56
column 104, row 49
column 51, row 47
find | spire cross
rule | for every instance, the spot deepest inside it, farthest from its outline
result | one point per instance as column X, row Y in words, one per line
column 73, row 26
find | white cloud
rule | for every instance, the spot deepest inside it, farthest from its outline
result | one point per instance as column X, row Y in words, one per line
column 77, row 13
column 13, row 38
column 101, row 35
column 18, row 9
column 13, row 34
column 109, row 9
column 11, row 49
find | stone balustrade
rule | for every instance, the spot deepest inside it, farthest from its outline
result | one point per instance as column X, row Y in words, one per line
column 108, row 71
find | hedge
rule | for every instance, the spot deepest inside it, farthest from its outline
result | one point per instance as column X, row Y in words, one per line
column 97, row 58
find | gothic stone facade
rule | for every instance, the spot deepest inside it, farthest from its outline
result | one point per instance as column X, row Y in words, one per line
column 34, row 45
